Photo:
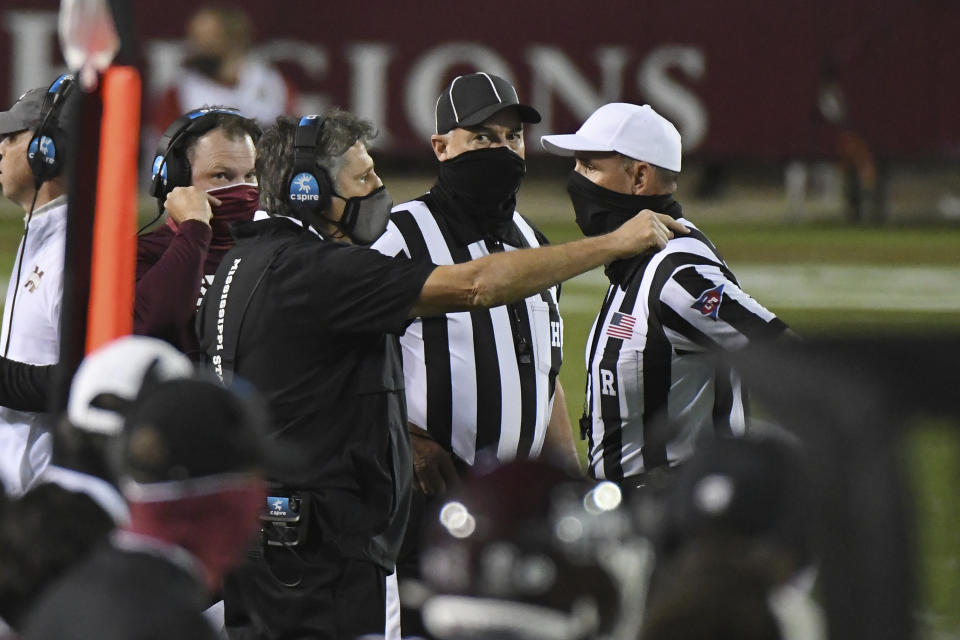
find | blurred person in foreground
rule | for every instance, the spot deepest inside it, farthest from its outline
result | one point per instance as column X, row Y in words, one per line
column 218, row 69
column 189, row 462
column 310, row 316
column 734, row 555
column 524, row 551
column 35, row 139
column 75, row 502
column 653, row 391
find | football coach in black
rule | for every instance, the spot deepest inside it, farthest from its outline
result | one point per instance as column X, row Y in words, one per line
column 311, row 317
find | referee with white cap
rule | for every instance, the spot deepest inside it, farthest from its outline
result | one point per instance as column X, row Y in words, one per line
column 652, row 389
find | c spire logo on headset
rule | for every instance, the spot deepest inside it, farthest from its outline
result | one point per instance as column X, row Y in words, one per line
column 304, row 188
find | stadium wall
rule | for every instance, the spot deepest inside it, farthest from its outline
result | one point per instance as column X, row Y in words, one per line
column 742, row 79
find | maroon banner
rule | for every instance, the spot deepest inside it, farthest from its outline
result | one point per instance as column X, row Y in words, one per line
column 741, row 79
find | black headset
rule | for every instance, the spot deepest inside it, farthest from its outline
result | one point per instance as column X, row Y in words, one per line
column 171, row 168
column 45, row 155
column 309, row 187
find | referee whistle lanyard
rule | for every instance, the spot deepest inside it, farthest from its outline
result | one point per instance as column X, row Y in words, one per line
column 520, row 343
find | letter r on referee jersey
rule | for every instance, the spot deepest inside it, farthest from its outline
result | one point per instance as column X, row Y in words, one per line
column 606, row 383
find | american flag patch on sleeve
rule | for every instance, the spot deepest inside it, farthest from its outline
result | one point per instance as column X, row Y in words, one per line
column 621, row 326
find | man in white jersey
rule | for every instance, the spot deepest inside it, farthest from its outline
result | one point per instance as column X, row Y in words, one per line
column 653, row 388
column 33, row 151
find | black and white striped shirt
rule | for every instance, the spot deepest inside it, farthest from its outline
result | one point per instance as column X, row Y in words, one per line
column 649, row 351
column 477, row 380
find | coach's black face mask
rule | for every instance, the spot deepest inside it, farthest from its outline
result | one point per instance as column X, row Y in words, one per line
column 600, row 210
column 486, row 181
column 365, row 218
column 206, row 64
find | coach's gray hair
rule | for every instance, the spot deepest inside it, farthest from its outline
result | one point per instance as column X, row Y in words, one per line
column 275, row 153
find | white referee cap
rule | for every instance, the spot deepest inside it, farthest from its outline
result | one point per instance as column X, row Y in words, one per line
column 637, row 132
column 109, row 379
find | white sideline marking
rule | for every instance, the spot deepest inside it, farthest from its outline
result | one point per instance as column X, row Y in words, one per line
column 808, row 286
column 816, row 286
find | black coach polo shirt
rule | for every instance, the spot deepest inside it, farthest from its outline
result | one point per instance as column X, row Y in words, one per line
column 313, row 324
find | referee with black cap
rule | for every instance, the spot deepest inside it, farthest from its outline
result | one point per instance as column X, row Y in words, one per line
column 481, row 384
column 500, row 364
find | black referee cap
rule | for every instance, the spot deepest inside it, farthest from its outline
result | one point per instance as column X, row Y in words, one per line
column 469, row 100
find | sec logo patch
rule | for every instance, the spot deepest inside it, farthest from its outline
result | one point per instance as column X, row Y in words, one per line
column 709, row 301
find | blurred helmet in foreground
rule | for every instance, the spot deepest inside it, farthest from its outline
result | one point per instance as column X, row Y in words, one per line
column 524, row 551
column 109, row 379
column 754, row 488
column 103, row 391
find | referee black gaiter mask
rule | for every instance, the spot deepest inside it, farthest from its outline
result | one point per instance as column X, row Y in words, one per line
column 600, row 210
column 484, row 182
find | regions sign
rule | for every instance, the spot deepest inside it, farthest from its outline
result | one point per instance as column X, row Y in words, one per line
column 740, row 79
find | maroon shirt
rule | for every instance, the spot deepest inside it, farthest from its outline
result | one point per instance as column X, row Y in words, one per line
column 173, row 269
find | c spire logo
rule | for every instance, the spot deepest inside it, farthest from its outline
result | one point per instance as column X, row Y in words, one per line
column 304, row 188
column 44, row 147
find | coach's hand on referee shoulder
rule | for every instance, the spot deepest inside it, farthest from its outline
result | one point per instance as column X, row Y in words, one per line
column 647, row 230
column 190, row 203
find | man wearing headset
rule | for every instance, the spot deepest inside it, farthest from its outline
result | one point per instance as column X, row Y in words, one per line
column 203, row 176
column 204, row 179
column 33, row 150
column 312, row 320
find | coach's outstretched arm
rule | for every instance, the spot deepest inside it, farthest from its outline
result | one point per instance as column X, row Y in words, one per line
column 513, row 275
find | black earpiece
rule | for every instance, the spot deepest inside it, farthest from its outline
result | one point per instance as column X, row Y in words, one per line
column 310, row 189
column 45, row 153
column 171, row 168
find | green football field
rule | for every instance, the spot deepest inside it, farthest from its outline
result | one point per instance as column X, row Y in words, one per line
column 820, row 276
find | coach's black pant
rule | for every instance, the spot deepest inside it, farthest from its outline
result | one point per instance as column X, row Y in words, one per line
column 336, row 599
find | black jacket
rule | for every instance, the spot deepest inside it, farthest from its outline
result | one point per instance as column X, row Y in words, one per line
column 122, row 595
column 313, row 325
